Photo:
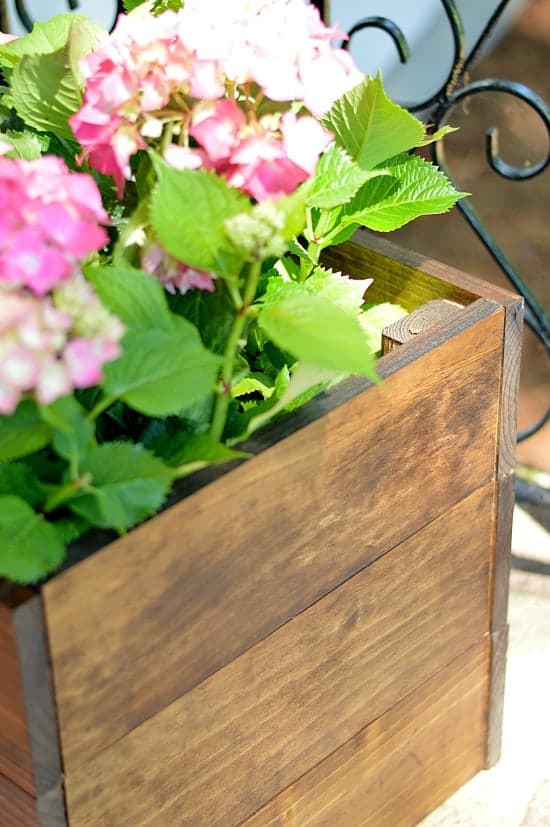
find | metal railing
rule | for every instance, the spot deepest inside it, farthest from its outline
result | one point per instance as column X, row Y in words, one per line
column 437, row 109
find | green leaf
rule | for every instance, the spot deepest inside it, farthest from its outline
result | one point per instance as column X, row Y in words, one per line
column 127, row 485
column 85, row 36
column 23, row 433
column 45, row 38
column 370, row 127
column 340, row 290
column 130, row 5
column 72, row 432
column 191, row 452
column 254, row 383
column 314, row 330
column 137, row 298
column 416, row 188
column 211, row 313
column 306, row 381
column 188, row 211
column 337, row 179
column 30, row 547
column 347, row 293
column 45, row 91
column 17, row 478
column 376, row 318
column 162, row 371
column 25, row 145
column 163, row 5
column 293, row 209
column 71, row 528
column 436, row 136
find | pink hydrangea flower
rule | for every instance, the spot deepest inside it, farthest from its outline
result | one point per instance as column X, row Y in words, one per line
column 274, row 43
column 217, row 127
column 84, row 359
column 173, row 274
column 202, row 73
column 49, row 220
column 50, row 345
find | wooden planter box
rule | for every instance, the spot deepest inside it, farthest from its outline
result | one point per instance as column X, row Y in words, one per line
column 315, row 636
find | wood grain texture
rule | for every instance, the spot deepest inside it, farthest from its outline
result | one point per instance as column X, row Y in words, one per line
column 407, row 277
column 17, row 807
column 513, row 329
column 497, row 678
column 15, row 747
column 401, row 766
column 505, row 498
column 430, row 315
column 38, row 694
column 143, row 621
column 225, row 748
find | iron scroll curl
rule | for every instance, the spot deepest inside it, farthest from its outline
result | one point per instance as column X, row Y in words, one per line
column 438, row 108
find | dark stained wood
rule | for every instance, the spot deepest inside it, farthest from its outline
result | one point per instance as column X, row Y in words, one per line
column 38, row 694
column 51, row 807
column 406, row 277
column 143, row 621
column 17, row 807
column 505, row 497
column 430, row 315
column 15, row 748
column 499, row 645
column 225, row 748
column 503, row 542
column 510, row 387
column 403, row 765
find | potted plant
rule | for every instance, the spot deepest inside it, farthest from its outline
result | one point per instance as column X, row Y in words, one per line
column 313, row 628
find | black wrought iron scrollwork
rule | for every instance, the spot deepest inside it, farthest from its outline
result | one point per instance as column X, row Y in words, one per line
column 437, row 109
column 26, row 19
column 386, row 25
column 535, row 316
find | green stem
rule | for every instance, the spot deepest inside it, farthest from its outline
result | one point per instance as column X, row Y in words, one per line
column 222, row 401
column 65, row 492
column 101, row 406
column 316, row 245
column 167, row 135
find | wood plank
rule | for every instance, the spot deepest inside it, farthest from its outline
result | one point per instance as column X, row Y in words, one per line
column 500, row 577
column 511, row 356
column 407, row 277
column 17, row 807
column 433, row 314
column 497, row 679
column 222, row 569
column 218, row 753
column 403, row 765
column 15, row 748
column 505, row 497
column 37, row 685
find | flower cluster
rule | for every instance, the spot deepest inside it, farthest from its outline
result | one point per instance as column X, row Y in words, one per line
column 201, row 84
column 49, row 221
column 54, row 333
column 176, row 276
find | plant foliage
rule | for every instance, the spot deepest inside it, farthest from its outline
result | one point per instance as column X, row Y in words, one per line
column 204, row 303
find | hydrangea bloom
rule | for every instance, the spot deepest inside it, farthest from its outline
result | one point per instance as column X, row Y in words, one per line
column 52, row 344
column 55, row 334
column 180, row 76
column 49, row 220
column 174, row 275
